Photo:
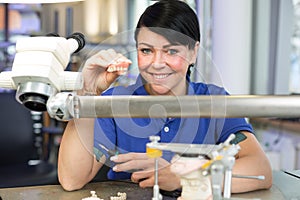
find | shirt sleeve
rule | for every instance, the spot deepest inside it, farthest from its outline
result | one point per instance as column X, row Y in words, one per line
column 227, row 126
column 232, row 126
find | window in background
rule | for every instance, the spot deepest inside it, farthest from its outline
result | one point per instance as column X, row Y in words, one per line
column 294, row 85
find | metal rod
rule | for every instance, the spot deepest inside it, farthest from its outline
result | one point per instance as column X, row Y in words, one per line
column 189, row 106
column 248, row 177
column 217, row 171
column 156, row 194
column 156, row 172
column 227, row 183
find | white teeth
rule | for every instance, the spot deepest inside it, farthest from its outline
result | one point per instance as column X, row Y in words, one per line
column 113, row 68
column 120, row 65
column 160, row 76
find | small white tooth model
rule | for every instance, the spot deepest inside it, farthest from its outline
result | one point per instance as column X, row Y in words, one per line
column 92, row 197
column 120, row 196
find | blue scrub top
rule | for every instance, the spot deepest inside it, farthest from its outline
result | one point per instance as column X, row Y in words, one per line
column 132, row 134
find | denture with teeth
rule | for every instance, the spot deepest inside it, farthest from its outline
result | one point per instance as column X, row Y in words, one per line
column 120, row 65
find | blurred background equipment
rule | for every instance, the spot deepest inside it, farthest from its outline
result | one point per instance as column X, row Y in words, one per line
column 23, row 161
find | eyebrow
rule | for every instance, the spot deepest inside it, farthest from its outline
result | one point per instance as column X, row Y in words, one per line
column 165, row 46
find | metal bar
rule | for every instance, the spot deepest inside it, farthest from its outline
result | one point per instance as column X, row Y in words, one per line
column 189, row 106
column 227, row 183
column 249, row 177
column 217, row 174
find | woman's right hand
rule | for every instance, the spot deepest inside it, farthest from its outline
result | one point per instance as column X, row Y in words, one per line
column 102, row 69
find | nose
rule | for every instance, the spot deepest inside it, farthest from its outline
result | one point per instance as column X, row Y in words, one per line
column 158, row 59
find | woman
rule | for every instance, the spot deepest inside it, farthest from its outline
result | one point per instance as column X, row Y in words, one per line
column 167, row 39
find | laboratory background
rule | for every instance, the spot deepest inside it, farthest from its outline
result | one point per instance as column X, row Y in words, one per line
column 250, row 47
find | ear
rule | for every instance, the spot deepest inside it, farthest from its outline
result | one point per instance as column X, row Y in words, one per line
column 195, row 53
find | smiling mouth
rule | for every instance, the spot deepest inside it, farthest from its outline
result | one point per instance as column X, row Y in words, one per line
column 160, row 76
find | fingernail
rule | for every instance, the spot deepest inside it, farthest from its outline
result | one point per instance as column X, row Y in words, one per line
column 113, row 158
column 115, row 168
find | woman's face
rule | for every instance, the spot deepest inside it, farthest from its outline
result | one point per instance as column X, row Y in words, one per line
column 162, row 64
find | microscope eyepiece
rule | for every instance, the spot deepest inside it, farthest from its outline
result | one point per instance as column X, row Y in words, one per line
column 79, row 37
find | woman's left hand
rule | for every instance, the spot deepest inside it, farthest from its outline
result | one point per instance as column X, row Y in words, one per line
column 142, row 168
